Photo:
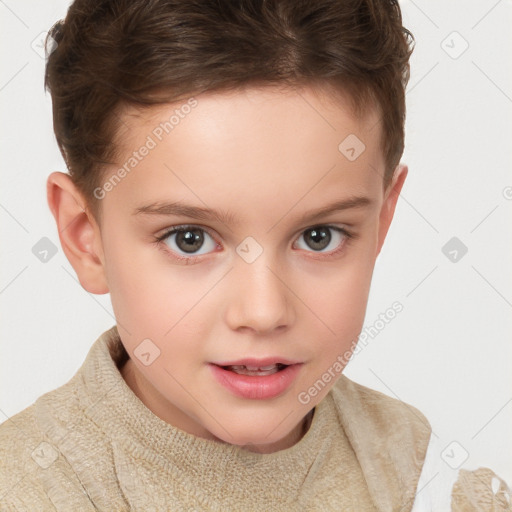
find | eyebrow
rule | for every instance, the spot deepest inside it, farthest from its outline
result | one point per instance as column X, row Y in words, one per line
column 179, row 208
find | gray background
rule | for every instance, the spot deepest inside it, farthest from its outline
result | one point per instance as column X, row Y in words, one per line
column 448, row 352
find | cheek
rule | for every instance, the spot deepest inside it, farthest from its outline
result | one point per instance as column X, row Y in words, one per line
column 139, row 288
column 340, row 307
column 339, row 304
column 345, row 302
column 151, row 297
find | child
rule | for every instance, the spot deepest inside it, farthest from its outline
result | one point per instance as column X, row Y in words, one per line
column 234, row 170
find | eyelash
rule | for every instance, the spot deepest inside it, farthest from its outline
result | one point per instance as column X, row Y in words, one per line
column 159, row 241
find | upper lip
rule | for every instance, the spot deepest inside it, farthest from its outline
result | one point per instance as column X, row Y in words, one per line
column 252, row 361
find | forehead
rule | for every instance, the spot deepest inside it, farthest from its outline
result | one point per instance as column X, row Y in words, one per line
column 271, row 141
column 321, row 108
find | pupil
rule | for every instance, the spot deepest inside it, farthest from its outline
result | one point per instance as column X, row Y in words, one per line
column 189, row 240
column 320, row 237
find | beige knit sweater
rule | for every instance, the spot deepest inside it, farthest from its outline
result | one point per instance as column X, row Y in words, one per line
column 93, row 445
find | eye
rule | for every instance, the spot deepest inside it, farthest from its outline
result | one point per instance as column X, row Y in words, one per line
column 187, row 240
column 319, row 238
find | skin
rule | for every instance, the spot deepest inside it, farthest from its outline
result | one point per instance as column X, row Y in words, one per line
column 268, row 155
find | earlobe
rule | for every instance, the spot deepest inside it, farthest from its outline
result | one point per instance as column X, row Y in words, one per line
column 389, row 204
column 79, row 234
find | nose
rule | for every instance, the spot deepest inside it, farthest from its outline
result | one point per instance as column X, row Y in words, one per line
column 261, row 299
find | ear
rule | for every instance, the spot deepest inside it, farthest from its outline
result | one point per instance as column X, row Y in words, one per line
column 79, row 234
column 389, row 204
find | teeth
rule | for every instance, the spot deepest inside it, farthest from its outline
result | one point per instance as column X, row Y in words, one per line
column 255, row 370
column 262, row 368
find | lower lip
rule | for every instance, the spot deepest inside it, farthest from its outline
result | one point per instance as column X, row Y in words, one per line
column 258, row 387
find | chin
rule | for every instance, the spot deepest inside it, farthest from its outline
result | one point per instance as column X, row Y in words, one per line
column 263, row 429
column 255, row 441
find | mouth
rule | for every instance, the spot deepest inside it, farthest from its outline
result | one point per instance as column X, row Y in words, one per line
column 256, row 382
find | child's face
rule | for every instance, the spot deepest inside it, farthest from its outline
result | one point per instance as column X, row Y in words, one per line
column 257, row 284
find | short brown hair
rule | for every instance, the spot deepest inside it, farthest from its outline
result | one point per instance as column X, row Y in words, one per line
column 113, row 53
